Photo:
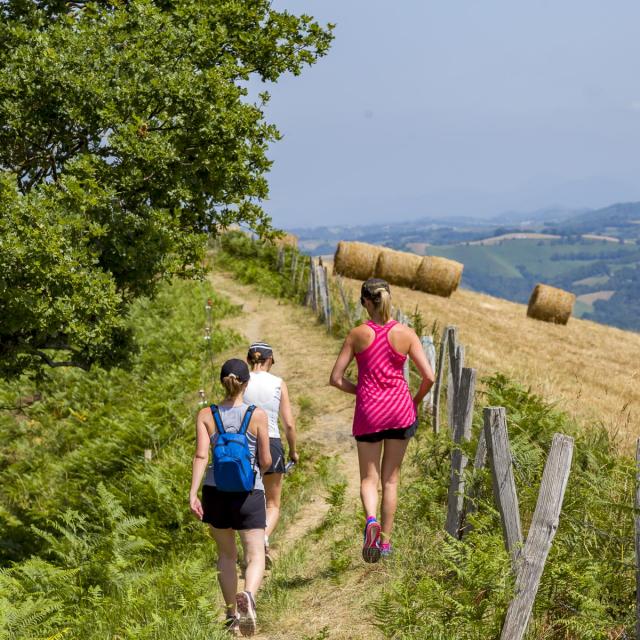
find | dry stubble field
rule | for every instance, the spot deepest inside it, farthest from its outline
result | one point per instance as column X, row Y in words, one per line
column 591, row 370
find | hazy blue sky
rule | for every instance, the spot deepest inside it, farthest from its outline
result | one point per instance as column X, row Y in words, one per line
column 459, row 107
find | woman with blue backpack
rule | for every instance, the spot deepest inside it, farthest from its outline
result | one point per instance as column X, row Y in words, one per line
column 233, row 490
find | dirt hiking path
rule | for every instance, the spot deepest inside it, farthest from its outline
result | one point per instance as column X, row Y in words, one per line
column 320, row 588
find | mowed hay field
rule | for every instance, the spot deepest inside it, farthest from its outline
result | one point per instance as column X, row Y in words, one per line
column 591, row 370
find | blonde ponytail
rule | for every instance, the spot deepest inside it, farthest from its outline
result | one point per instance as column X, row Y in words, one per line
column 383, row 307
column 377, row 291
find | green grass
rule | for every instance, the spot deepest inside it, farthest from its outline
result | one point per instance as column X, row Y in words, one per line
column 442, row 588
column 96, row 542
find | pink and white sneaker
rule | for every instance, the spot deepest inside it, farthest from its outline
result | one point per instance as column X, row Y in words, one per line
column 371, row 544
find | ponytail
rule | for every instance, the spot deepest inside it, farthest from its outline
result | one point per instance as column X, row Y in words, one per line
column 233, row 386
column 377, row 290
column 384, row 306
column 254, row 358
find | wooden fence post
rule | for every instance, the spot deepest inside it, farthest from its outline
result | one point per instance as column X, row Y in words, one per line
column 281, row 259
column 461, row 433
column 314, row 286
column 327, row 297
column 456, row 364
column 294, row 266
column 430, row 352
column 310, row 285
column 504, row 486
column 637, row 527
column 440, row 364
column 541, row 533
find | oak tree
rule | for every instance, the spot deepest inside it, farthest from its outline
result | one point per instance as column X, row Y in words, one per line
column 127, row 135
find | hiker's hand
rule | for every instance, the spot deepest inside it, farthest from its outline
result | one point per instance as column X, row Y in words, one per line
column 196, row 507
column 293, row 455
column 417, row 406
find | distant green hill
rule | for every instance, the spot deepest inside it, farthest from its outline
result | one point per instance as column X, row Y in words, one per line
column 591, row 269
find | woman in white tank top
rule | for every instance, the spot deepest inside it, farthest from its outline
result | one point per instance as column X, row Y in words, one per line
column 270, row 393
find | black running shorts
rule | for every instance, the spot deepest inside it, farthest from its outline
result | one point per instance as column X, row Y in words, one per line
column 277, row 456
column 238, row 510
column 390, row 434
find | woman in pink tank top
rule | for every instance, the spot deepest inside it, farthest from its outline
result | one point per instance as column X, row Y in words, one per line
column 386, row 415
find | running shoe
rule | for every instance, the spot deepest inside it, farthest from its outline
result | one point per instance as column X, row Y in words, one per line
column 232, row 624
column 386, row 550
column 371, row 544
column 247, row 610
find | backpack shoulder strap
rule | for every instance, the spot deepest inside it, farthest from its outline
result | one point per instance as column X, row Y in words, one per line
column 217, row 418
column 247, row 419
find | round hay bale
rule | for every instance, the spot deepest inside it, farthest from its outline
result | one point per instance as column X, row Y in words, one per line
column 287, row 240
column 439, row 276
column 397, row 267
column 356, row 260
column 551, row 304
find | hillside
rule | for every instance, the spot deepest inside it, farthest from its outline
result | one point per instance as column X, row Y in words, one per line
column 595, row 254
column 509, row 267
column 436, row 586
column 589, row 369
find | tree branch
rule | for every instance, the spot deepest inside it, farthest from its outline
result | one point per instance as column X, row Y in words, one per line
column 62, row 363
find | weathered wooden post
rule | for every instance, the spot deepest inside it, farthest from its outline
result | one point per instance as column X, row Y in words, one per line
column 314, row 286
column 430, row 352
column 541, row 533
column 294, row 265
column 281, row 259
column 327, row 291
column 308, row 301
column 461, row 433
column 504, row 486
column 437, row 386
column 637, row 528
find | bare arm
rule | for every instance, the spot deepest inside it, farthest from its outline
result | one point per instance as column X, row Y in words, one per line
column 286, row 414
column 199, row 465
column 417, row 355
column 261, row 424
column 345, row 357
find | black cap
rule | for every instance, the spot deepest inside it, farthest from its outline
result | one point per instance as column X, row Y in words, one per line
column 237, row 368
column 263, row 349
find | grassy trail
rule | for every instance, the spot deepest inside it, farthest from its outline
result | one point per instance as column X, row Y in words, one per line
column 320, row 587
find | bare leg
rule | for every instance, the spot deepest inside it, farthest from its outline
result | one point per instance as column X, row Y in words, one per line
column 369, row 459
column 253, row 546
column 394, row 451
column 227, row 556
column 272, row 490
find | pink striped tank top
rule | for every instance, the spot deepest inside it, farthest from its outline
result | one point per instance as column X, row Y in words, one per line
column 383, row 399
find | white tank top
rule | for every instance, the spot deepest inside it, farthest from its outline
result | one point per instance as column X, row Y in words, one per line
column 264, row 390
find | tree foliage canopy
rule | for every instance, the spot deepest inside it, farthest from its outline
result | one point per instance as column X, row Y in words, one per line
column 126, row 136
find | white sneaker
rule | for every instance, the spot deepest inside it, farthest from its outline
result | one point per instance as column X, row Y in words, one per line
column 247, row 610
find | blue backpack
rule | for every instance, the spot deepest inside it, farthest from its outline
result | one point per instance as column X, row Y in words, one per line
column 232, row 466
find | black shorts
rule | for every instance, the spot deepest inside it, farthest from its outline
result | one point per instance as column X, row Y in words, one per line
column 390, row 434
column 277, row 456
column 236, row 510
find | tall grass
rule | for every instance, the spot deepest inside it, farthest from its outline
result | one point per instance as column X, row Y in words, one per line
column 443, row 588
